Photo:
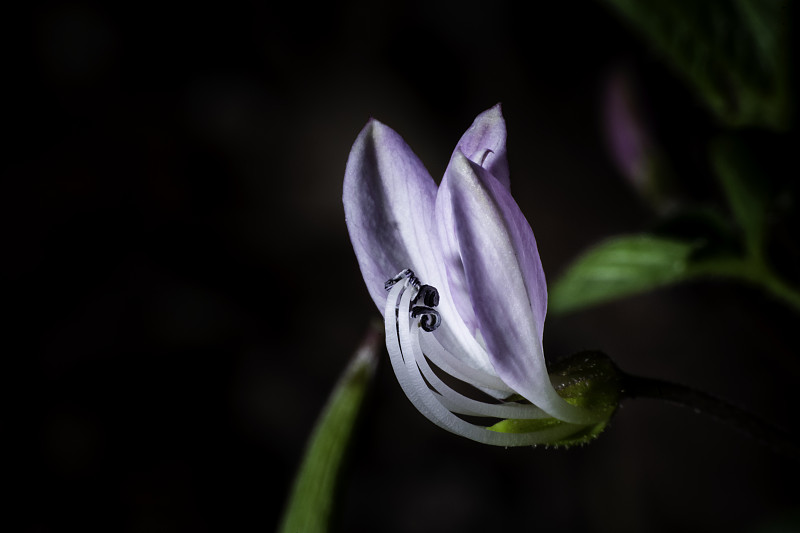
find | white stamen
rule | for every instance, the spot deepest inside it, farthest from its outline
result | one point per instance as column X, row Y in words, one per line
column 460, row 370
column 409, row 364
column 456, row 402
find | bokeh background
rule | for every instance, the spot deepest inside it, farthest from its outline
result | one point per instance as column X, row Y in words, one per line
column 187, row 293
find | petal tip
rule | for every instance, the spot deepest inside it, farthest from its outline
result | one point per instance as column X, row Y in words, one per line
column 371, row 124
column 463, row 176
column 461, row 163
column 496, row 109
column 494, row 113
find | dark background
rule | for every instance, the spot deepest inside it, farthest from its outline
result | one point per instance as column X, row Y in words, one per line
column 185, row 292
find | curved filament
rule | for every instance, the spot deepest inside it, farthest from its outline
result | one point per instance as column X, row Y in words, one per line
column 440, row 403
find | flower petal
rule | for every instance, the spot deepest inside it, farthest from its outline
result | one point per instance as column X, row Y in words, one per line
column 506, row 283
column 484, row 143
column 405, row 355
column 389, row 209
column 451, row 258
column 628, row 138
column 388, row 205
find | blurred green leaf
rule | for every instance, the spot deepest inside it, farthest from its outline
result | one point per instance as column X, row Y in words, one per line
column 734, row 52
column 311, row 501
column 620, row 267
column 745, row 189
column 587, row 379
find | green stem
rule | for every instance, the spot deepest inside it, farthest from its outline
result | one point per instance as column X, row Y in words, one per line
column 701, row 402
column 753, row 271
column 778, row 288
column 313, row 493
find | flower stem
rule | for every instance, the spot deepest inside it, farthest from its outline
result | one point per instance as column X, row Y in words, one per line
column 701, row 402
column 313, row 495
column 781, row 290
column 754, row 271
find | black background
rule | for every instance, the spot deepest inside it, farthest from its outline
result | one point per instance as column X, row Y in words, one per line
column 185, row 293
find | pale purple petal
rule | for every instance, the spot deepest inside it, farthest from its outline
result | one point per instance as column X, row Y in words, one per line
column 451, row 258
column 627, row 135
column 484, row 143
column 388, row 204
column 506, row 283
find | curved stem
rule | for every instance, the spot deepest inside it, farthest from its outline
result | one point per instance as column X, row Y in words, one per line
column 750, row 270
column 701, row 402
column 778, row 288
column 756, row 271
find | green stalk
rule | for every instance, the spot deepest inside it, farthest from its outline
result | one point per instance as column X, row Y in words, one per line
column 310, row 504
column 753, row 271
column 701, row 402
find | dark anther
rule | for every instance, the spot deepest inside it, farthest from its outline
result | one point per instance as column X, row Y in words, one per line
column 430, row 318
column 406, row 273
column 429, row 296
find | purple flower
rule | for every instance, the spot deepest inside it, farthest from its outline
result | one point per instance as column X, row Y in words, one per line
column 628, row 138
column 632, row 145
column 457, row 275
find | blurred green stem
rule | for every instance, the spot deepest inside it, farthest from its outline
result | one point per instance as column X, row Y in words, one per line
column 775, row 285
column 311, row 501
column 754, row 271
column 701, row 402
